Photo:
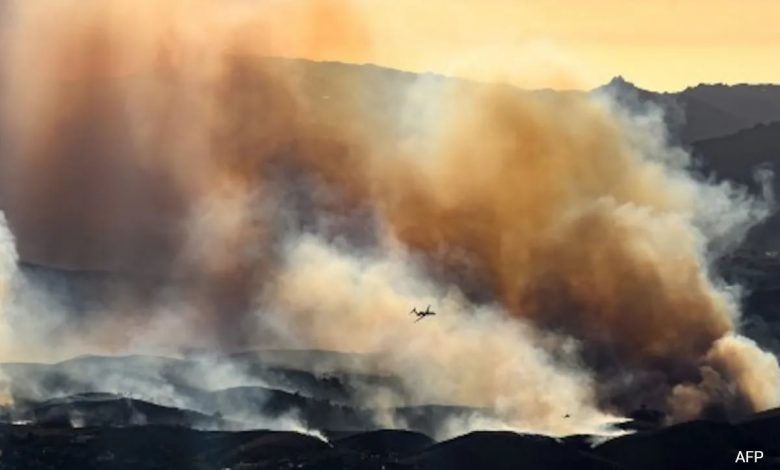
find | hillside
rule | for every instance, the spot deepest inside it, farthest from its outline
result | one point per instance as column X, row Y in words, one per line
column 707, row 111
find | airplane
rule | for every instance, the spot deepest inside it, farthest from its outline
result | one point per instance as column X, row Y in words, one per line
column 422, row 313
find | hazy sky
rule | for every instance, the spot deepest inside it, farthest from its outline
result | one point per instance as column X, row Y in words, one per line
column 658, row 44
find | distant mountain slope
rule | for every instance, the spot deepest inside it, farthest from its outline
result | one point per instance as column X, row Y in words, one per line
column 738, row 158
column 706, row 111
column 746, row 105
column 696, row 113
column 241, row 389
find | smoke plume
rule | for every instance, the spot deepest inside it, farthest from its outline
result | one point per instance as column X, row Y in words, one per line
column 275, row 202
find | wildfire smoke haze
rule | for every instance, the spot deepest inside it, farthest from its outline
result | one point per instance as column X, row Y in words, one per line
column 279, row 203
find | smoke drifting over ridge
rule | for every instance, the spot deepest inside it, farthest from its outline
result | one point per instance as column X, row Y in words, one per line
column 277, row 203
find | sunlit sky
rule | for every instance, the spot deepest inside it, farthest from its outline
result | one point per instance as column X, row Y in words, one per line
column 662, row 45
column 657, row 44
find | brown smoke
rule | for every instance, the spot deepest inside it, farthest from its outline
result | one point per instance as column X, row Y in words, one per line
column 153, row 138
column 568, row 227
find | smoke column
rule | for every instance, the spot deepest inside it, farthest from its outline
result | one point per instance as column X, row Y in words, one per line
column 280, row 202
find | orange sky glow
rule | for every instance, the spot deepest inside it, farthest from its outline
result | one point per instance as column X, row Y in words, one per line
column 658, row 44
column 662, row 45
